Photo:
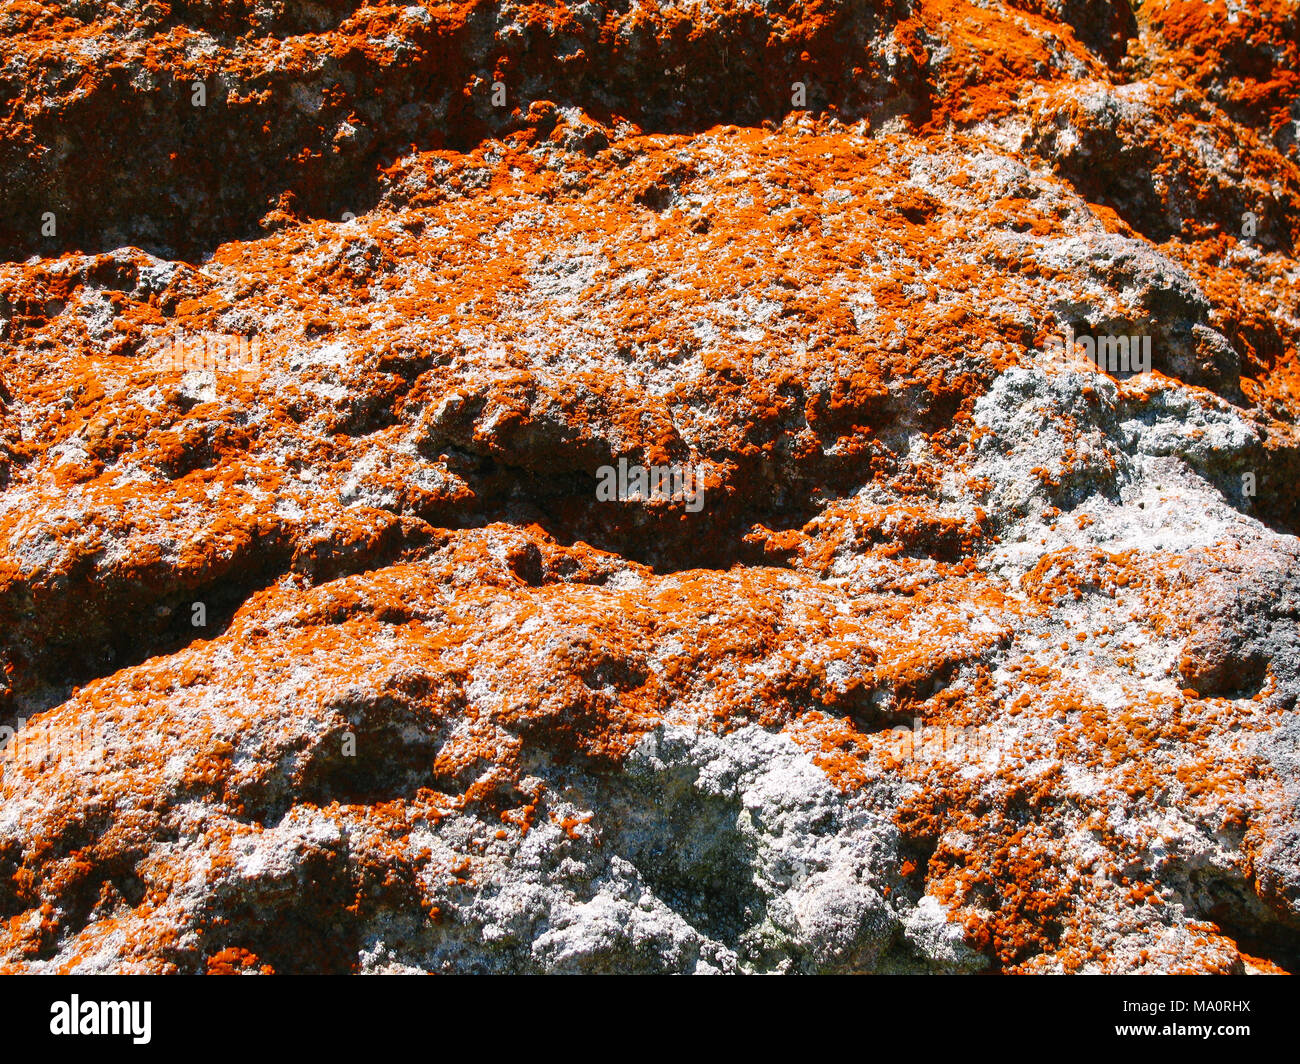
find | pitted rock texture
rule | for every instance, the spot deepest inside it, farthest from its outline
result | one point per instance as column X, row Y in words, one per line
column 329, row 656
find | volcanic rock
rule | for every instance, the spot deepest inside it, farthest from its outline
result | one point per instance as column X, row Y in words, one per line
column 319, row 323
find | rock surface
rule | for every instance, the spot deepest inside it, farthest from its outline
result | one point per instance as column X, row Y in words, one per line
column 321, row 650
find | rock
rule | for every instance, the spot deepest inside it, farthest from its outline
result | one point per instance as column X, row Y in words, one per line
column 326, row 646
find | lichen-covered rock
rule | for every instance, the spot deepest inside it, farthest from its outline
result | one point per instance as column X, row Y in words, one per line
column 336, row 636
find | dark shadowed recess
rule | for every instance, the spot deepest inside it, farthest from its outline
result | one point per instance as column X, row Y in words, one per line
column 146, row 167
column 121, row 165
